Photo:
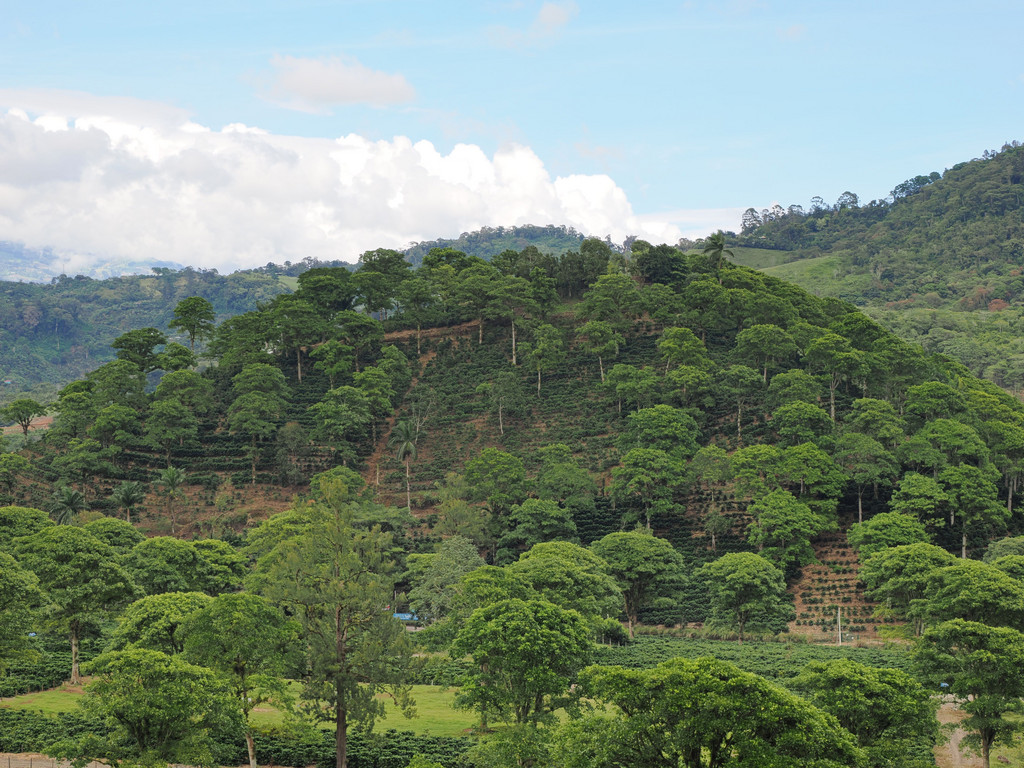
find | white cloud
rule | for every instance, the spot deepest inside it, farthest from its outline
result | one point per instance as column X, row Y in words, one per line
column 552, row 17
column 547, row 24
column 695, row 222
column 314, row 85
column 124, row 187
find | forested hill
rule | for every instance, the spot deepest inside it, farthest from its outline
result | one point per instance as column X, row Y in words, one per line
column 53, row 333
column 488, row 241
column 936, row 239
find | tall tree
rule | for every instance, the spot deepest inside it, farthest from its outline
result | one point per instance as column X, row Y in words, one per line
column 745, row 586
column 337, row 580
column 23, row 411
column 403, row 439
column 984, row 669
column 195, row 317
column 525, row 656
column 81, row 578
column 643, row 565
column 715, row 250
column 246, row 640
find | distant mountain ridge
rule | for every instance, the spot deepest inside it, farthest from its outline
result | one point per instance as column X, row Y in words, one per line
column 18, row 263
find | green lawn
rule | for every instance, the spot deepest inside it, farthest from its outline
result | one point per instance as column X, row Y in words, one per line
column 434, row 713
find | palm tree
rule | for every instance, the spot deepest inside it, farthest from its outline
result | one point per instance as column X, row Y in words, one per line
column 171, row 479
column 403, row 437
column 715, row 250
column 66, row 503
column 127, row 496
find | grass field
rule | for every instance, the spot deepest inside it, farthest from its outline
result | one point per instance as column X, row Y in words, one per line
column 435, row 715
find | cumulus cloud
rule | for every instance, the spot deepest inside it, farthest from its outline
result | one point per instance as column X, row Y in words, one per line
column 315, row 85
column 127, row 186
column 549, row 21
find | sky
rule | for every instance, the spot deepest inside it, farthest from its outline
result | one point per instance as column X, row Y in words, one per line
column 232, row 133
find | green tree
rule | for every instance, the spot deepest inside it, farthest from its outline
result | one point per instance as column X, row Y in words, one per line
column 171, row 480
column 474, row 291
column 246, row 641
column 170, row 425
column 506, row 396
column 342, row 418
column 165, row 564
column 333, row 358
column 764, row 346
column 791, row 386
column 746, row 588
column 525, row 656
column 920, row 496
column 648, row 476
column 715, row 250
column 187, row 387
column 81, row 579
column 699, row 713
column 256, row 411
column 497, row 477
column 975, row 591
column 436, row 578
column 644, row 566
column 358, row 331
column 569, row 576
column 837, row 360
column 23, row 411
column 879, row 420
column 337, row 580
column 195, row 317
column 119, row 535
column 866, row 462
column 16, row 522
column 154, row 622
column 66, row 504
column 662, row 428
column 547, row 351
column 799, row 422
column 533, row 522
column 417, row 299
column 19, row 599
column 512, row 300
column 889, row 713
column 129, row 495
column 679, row 346
column 175, row 357
column 710, row 469
column 138, row 346
column 602, row 340
column 159, row 710
column 403, row 439
column 83, row 460
column 742, row 385
column 885, row 530
column 973, row 494
column 631, row 384
column 901, row 578
column 984, row 669
column 12, row 465
column 783, row 528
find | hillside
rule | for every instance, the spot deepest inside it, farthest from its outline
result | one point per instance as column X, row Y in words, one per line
column 648, row 453
column 763, row 389
column 53, row 333
column 950, row 238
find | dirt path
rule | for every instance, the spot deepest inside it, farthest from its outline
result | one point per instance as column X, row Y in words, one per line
column 949, row 755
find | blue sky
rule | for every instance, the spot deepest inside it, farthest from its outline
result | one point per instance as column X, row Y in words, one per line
column 233, row 133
